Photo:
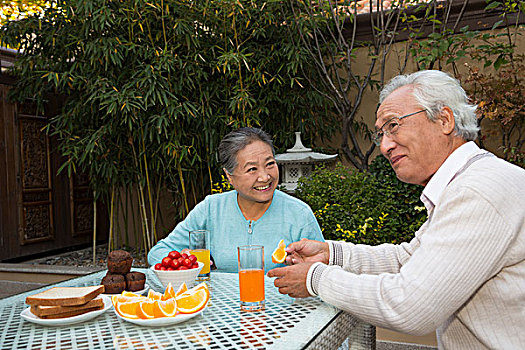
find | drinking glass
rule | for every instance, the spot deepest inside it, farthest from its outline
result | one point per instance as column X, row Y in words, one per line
column 251, row 277
column 200, row 247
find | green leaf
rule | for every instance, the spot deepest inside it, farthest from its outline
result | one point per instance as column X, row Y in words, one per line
column 499, row 61
column 493, row 5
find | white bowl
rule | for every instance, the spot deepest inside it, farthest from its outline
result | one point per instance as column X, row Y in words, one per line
column 178, row 276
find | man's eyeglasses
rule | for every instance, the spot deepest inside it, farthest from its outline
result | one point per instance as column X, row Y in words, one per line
column 390, row 127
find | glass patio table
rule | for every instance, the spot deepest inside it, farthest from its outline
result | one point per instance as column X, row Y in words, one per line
column 285, row 324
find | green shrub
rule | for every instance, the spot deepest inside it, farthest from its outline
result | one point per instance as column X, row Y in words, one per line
column 365, row 208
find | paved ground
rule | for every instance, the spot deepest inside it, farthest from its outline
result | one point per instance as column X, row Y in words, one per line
column 22, row 277
column 84, row 258
column 15, row 287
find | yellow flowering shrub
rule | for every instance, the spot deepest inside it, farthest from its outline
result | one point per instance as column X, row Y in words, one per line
column 364, row 208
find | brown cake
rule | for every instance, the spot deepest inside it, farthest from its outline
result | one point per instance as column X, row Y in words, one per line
column 135, row 281
column 114, row 283
column 119, row 261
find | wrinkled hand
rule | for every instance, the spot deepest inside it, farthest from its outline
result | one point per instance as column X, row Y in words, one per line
column 291, row 280
column 307, row 250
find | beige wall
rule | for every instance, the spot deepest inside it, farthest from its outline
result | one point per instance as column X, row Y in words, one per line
column 393, row 67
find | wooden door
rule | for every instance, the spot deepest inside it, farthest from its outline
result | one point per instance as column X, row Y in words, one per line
column 42, row 211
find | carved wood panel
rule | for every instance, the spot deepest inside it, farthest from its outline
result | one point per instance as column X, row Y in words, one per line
column 81, row 201
column 36, row 219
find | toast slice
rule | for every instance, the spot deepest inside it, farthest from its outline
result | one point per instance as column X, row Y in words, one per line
column 42, row 311
column 65, row 296
column 73, row 313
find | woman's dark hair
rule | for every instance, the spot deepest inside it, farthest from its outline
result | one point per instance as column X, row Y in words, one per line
column 235, row 141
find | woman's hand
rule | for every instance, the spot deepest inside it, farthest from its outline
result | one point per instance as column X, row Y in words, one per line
column 307, row 250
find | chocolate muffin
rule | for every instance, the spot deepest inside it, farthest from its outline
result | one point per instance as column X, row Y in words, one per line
column 119, row 261
column 113, row 283
column 135, row 281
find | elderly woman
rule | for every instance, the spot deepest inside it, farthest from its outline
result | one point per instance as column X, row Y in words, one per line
column 254, row 213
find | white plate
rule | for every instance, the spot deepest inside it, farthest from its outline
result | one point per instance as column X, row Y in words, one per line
column 142, row 292
column 29, row 316
column 163, row 321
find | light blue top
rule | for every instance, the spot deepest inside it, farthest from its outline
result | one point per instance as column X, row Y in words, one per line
column 287, row 218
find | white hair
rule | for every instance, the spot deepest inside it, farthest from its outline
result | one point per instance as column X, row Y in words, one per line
column 433, row 90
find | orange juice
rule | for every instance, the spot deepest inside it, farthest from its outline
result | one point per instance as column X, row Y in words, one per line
column 203, row 255
column 251, row 285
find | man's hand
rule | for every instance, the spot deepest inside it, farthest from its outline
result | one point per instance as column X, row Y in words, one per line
column 307, row 250
column 291, row 280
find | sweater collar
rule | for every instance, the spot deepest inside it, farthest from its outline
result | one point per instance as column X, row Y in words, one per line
column 276, row 194
column 446, row 172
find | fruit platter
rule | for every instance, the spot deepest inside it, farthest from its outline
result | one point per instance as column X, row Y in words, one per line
column 161, row 309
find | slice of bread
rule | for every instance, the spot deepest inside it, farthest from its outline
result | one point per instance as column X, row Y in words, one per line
column 65, row 296
column 40, row 310
column 73, row 313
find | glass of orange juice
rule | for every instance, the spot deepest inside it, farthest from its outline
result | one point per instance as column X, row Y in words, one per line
column 251, row 277
column 200, row 247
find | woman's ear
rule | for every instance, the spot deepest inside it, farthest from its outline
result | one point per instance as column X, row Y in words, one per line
column 446, row 120
column 228, row 176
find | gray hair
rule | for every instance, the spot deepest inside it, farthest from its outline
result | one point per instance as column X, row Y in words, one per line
column 434, row 90
column 235, row 141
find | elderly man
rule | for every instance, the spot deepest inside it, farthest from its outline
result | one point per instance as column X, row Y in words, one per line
column 464, row 272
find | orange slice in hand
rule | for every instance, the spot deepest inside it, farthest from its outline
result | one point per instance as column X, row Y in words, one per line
column 145, row 309
column 193, row 300
column 128, row 309
column 166, row 308
column 279, row 254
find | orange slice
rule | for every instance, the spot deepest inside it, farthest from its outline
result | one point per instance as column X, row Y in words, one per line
column 115, row 299
column 279, row 254
column 202, row 285
column 169, row 292
column 183, row 288
column 165, row 308
column 154, row 295
column 131, row 294
column 128, row 309
column 145, row 309
column 193, row 300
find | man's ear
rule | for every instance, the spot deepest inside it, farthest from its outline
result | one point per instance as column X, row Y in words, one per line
column 446, row 120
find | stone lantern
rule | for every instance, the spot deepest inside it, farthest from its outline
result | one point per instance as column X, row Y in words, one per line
column 299, row 161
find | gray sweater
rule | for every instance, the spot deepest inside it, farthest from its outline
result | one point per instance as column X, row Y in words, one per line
column 464, row 272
